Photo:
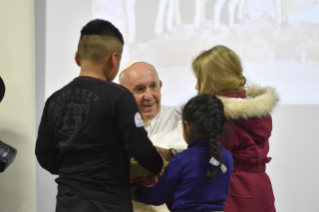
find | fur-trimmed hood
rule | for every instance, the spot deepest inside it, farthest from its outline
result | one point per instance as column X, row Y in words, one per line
column 259, row 103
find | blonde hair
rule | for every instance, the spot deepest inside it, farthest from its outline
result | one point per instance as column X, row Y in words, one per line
column 218, row 71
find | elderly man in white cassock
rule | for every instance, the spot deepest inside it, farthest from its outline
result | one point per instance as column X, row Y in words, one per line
column 163, row 124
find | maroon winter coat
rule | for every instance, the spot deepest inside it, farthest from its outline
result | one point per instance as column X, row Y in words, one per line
column 249, row 129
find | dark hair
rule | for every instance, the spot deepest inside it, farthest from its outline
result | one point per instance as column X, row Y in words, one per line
column 102, row 28
column 205, row 115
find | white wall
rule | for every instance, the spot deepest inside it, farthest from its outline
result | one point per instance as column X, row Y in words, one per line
column 294, row 148
column 17, row 110
column 59, row 36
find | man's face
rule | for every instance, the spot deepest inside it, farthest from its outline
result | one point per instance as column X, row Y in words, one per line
column 141, row 79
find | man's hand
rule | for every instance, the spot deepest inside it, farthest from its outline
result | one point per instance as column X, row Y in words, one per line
column 166, row 156
column 165, row 153
column 132, row 190
column 165, row 164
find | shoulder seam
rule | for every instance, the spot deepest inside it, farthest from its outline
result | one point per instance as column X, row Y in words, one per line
column 110, row 83
column 116, row 85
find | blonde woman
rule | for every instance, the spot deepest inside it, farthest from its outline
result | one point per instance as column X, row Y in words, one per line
column 249, row 125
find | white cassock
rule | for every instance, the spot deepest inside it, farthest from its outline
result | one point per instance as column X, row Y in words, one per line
column 166, row 131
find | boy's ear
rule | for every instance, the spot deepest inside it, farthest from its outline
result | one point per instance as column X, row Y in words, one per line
column 77, row 59
column 114, row 59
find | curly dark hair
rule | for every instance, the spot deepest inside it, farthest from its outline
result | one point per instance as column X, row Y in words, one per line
column 205, row 115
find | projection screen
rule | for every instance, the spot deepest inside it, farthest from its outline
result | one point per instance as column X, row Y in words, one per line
column 277, row 40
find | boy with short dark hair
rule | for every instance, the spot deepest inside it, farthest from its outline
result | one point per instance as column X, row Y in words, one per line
column 91, row 127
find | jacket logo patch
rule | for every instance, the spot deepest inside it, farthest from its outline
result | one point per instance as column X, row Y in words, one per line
column 139, row 122
column 71, row 118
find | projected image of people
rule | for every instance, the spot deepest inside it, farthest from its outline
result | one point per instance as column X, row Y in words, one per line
column 275, row 39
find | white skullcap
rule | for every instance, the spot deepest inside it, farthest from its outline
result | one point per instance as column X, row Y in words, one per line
column 131, row 62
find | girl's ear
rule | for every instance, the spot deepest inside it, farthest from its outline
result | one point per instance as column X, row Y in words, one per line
column 187, row 132
column 187, row 126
